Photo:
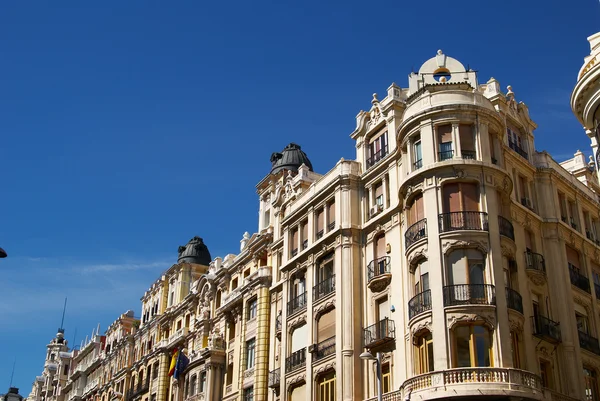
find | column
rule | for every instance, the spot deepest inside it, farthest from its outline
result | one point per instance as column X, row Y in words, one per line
column 456, row 141
column 495, row 274
column 482, row 142
column 427, row 146
column 261, row 368
column 436, row 280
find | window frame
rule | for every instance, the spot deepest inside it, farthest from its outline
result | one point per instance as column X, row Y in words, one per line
column 472, row 341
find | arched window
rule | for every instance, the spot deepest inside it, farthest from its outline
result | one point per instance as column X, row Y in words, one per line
column 218, row 299
column 472, row 346
column 326, row 387
column 298, row 393
column 591, row 384
column 424, row 353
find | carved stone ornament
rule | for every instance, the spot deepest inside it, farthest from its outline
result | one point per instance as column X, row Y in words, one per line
column 454, row 244
column 324, row 307
column 487, row 319
column 420, row 326
column 416, row 255
column 324, row 368
column 527, row 221
column 375, row 114
column 506, row 184
column 516, row 325
column 582, row 301
column 459, row 173
column 508, row 251
column 295, row 379
column 536, row 278
column 296, row 322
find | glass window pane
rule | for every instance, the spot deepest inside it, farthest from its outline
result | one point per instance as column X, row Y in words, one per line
column 463, row 351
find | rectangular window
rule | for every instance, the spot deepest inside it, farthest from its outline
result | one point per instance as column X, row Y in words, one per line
column 305, row 234
column 516, row 349
column 386, row 378
column 326, row 387
column 546, row 374
column 252, row 306
column 467, row 141
column 250, row 345
column 472, row 346
column 202, row 383
column 378, row 149
column 445, row 142
column 249, row 394
column 417, row 153
column 294, row 242
column 331, row 216
column 379, row 196
column 320, row 224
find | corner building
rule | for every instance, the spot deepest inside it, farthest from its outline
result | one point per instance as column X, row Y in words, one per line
column 450, row 247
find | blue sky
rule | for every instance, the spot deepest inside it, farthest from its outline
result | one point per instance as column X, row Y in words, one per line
column 128, row 127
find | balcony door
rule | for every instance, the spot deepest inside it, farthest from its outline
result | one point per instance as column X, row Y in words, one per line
column 461, row 207
column 466, row 276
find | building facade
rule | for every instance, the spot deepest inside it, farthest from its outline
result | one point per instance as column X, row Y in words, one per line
column 449, row 260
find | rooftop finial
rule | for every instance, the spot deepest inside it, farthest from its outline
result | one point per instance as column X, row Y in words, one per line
column 374, row 98
column 510, row 91
column 440, row 52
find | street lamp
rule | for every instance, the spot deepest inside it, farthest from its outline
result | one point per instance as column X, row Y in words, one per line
column 367, row 356
column 3, row 253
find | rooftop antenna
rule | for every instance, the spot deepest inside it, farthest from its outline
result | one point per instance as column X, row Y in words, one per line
column 61, row 329
column 13, row 372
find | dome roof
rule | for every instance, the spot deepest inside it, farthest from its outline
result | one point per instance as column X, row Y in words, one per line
column 194, row 252
column 290, row 158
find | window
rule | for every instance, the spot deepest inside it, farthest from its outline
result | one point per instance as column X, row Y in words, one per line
column 320, row 224
column 326, row 387
column 516, row 143
column 386, row 378
column 591, row 384
column 229, row 374
column 424, row 353
column 546, row 374
column 231, row 330
column 515, row 342
column 417, row 153
column 66, row 371
column 193, row 384
column 421, row 277
column 582, row 323
column 466, row 266
column 445, row 151
column 294, row 242
column 250, row 345
column 252, row 304
column 202, row 383
column 416, row 211
column 234, row 284
column 379, row 196
column 304, row 226
column 472, row 346
column 378, row 149
column 467, row 141
column 330, row 215
column 249, row 394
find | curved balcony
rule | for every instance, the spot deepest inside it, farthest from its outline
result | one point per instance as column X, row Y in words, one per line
column 535, row 267
column 380, row 334
column 416, row 232
column 514, row 300
column 469, row 294
column 419, row 303
column 379, row 273
column 455, row 221
column 579, row 280
column 506, row 228
column 474, row 382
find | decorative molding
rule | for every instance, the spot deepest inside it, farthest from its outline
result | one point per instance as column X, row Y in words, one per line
column 450, row 245
column 486, row 318
column 417, row 254
column 423, row 324
column 296, row 322
column 324, row 368
column 324, row 307
column 295, row 379
column 516, row 325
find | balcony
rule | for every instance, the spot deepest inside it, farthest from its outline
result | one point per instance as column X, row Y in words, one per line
column 294, row 252
column 379, row 274
column 579, row 280
column 177, row 336
column 535, row 262
column 297, row 304
column 546, row 329
column 377, row 156
column 274, row 378
column 419, row 303
column 418, row 164
column 90, row 386
column 295, row 361
column 469, row 294
column 380, row 334
column 140, row 389
column 469, row 154
column 514, row 146
column 330, row 226
column 324, row 348
column 588, row 342
column 416, row 232
column 304, row 244
column 320, row 233
column 445, row 155
column 506, row 228
column 454, row 221
column 324, row 288
column 471, row 382
column 514, row 300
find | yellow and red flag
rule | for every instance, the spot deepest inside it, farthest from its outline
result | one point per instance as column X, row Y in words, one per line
column 173, row 361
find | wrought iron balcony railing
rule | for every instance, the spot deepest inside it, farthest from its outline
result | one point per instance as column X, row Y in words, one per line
column 445, row 155
column 378, row 267
column 535, row 261
column 506, row 228
column 546, row 329
column 588, row 342
column 418, row 164
column 379, row 333
column 325, row 287
column 419, row 304
column 514, row 300
column 377, row 156
column 296, row 360
column 453, row 221
column 297, row 303
column 469, row 154
column 469, row 294
column 325, row 348
column 415, row 232
column 514, row 146
column 274, row 378
column 578, row 279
